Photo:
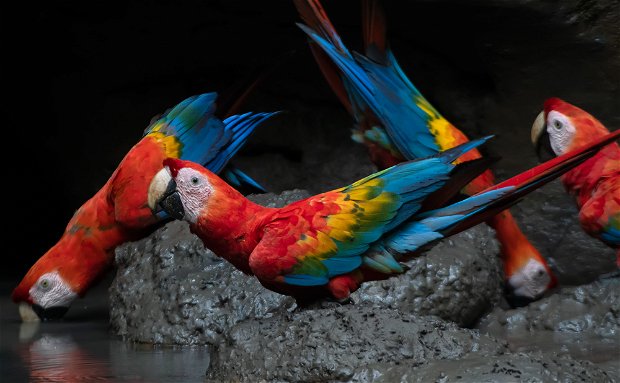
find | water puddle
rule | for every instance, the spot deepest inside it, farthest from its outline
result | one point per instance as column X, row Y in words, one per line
column 81, row 349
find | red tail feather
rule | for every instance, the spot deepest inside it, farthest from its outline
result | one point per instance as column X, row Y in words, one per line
column 373, row 22
column 313, row 14
column 557, row 164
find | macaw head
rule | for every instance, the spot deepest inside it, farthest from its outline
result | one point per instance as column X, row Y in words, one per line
column 527, row 279
column 62, row 274
column 562, row 127
column 183, row 189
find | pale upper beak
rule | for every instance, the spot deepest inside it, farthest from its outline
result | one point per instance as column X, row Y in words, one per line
column 27, row 313
column 538, row 128
column 540, row 138
column 163, row 198
column 157, row 189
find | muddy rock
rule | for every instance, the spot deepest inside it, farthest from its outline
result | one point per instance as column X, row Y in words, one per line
column 331, row 344
column 458, row 279
column 356, row 343
column 533, row 367
column 594, row 308
column 182, row 293
column 581, row 321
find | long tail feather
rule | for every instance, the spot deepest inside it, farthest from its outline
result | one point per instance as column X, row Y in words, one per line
column 462, row 175
column 374, row 29
column 314, row 15
column 430, row 226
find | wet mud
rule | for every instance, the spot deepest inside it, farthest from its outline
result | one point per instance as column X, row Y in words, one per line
column 183, row 294
column 406, row 328
column 581, row 321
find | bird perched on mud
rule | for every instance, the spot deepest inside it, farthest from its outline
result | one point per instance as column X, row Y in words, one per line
column 119, row 212
column 595, row 184
column 332, row 242
column 395, row 122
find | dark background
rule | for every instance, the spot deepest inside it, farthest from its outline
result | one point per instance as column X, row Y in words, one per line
column 81, row 81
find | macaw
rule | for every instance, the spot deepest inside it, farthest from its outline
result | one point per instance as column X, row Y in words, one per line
column 396, row 123
column 332, row 242
column 118, row 212
column 595, row 184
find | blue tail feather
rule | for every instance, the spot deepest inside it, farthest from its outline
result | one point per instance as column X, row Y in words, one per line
column 430, row 226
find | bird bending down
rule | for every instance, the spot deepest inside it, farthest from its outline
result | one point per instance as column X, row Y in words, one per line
column 119, row 211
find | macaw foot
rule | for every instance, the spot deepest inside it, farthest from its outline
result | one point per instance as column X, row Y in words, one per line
column 332, row 303
column 346, row 301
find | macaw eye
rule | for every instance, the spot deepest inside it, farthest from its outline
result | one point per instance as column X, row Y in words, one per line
column 195, row 181
column 45, row 284
column 558, row 124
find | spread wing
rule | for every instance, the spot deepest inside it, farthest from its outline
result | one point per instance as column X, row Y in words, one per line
column 316, row 239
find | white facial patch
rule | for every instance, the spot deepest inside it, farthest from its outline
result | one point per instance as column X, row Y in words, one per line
column 52, row 291
column 531, row 281
column 561, row 132
column 194, row 189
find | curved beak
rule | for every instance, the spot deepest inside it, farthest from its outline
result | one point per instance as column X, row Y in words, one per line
column 50, row 313
column 163, row 196
column 27, row 313
column 540, row 138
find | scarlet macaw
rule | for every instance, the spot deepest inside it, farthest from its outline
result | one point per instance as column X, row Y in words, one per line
column 118, row 212
column 595, row 184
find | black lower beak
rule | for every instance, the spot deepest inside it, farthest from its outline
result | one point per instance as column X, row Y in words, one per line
column 543, row 147
column 516, row 300
column 50, row 313
column 171, row 201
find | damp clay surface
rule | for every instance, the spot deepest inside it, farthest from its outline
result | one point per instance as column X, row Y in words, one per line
column 358, row 344
column 181, row 293
column 581, row 321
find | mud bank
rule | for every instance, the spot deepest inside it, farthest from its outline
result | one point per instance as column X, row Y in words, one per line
column 360, row 344
column 402, row 329
column 581, row 321
column 184, row 294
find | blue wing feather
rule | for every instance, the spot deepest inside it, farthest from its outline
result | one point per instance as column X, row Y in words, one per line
column 238, row 179
column 205, row 138
column 410, row 183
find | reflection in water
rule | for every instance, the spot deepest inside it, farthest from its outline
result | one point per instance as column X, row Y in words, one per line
column 59, row 359
column 57, row 353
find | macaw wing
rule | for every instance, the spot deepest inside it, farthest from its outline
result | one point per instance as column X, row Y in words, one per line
column 313, row 240
column 197, row 135
column 307, row 245
column 189, row 131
